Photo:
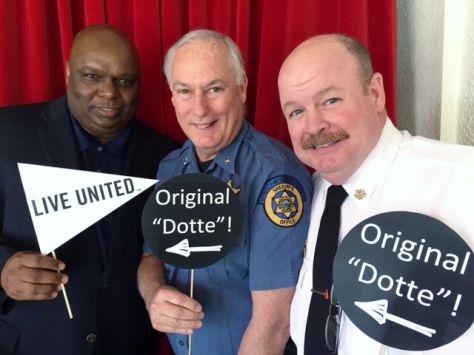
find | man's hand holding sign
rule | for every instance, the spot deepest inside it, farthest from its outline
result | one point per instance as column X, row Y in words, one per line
column 42, row 281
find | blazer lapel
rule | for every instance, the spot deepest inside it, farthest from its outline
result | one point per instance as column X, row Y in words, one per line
column 57, row 136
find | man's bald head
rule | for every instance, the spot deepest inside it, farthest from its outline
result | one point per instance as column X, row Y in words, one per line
column 103, row 80
column 100, row 37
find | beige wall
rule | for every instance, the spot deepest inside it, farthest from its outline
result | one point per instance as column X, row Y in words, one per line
column 435, row 75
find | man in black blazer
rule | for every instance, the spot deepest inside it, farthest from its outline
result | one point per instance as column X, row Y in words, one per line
column 93, row 127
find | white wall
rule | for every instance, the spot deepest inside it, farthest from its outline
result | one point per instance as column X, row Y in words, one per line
column 435, row 75
column 465, row 131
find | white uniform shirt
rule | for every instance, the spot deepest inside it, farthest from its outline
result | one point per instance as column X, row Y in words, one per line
column 402, row 173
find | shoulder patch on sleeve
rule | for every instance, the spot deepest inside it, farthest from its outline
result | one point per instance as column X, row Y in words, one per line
column 282, row 199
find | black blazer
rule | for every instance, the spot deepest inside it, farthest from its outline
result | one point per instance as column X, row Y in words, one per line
column 109, row 314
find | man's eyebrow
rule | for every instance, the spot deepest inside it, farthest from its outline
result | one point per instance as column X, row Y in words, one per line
column 326, row 90
column 128, row 76
column 214, row 82
column 319, row 93
column 289, row 103
column 94, row 70
column 178, row 83
column 89, row 69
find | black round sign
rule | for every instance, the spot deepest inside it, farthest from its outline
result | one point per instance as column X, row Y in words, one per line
column 191, row 221
column 405, row 280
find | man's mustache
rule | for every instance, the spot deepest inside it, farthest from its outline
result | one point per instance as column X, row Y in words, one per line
column 323, row 139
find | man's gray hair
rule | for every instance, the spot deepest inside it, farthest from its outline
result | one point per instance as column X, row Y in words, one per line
column 206, row 36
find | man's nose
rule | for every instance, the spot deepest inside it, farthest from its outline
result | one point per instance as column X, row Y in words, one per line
column 315, row 121
column 201, row 107
column 108, row 89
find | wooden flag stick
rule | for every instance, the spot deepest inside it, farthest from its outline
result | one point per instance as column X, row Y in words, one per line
column 63, row 288
column 191, row 294
column 382, row 349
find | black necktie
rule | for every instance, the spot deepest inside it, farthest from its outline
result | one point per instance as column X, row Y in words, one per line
column 328, row 235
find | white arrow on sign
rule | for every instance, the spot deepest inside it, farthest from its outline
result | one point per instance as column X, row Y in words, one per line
column 378, row 311
column 183, row 248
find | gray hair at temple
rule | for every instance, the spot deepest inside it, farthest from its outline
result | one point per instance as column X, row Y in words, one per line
column 362, row 55
column 205, row 36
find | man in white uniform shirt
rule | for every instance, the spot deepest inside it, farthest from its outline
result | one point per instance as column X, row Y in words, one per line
column 335, row 109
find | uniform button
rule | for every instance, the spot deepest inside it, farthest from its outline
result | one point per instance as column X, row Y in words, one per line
column 99, row 149
column 91, row 338
column 99, row 171
column 104, row 284
column 181, row 343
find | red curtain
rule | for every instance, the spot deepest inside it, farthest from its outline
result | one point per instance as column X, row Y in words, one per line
column 36, row 37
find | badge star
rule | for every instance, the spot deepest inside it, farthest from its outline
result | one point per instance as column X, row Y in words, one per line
column 286, row 204
column 236, row 191
column 227, row 160
column 360, row 194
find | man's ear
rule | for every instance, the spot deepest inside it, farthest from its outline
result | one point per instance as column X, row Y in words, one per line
column 68, row 73
column 243, row 89
column 376, row 90
column 172, row 98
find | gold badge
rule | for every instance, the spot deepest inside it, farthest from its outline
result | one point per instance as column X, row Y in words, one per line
column 360, row 194
column 283, row 202
column 236, row 190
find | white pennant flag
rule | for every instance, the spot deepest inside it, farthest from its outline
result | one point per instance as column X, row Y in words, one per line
column 64, row 202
